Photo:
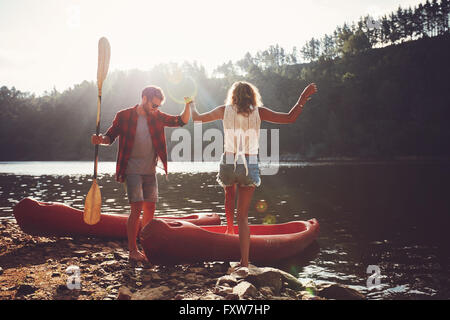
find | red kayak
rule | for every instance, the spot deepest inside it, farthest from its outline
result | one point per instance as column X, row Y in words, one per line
column 57, row 219
column 175, row 242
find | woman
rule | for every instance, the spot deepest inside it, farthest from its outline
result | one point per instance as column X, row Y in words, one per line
column 242, row 116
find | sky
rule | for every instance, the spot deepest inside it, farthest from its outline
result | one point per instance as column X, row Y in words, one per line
column 46, row 44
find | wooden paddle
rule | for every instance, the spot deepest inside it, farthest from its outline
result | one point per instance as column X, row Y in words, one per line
column 93, row 203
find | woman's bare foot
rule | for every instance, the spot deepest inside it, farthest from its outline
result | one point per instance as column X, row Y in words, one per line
column 230, row 231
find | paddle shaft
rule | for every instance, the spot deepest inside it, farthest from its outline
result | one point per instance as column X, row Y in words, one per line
column 99, row 103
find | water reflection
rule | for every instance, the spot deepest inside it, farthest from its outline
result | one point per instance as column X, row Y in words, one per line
column 390, row 215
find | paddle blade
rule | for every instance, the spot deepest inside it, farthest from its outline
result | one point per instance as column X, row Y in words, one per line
column 104, row 54
column 93, row 204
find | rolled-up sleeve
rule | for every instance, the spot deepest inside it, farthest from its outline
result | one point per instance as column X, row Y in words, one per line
column 170, row 120
column 114, row 130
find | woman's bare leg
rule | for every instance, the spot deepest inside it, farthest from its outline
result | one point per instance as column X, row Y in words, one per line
column 245, row 195
column 230, row 197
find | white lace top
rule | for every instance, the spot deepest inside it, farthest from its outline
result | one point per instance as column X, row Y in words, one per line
column 241, row 132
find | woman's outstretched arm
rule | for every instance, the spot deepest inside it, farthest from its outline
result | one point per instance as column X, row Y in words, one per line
column 282, row 117
column 213, row 115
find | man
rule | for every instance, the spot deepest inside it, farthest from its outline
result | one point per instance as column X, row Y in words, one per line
column 141, row 142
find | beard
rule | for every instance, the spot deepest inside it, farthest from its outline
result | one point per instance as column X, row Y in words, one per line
column 149, row 106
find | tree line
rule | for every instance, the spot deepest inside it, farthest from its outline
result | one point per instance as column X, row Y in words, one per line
column 405, row 24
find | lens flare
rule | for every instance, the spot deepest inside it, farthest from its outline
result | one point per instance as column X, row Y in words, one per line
column 269, row 219
column 180, row 86
column 261, row 206
column 174, row 76
column 294, row 270
column 310, row 291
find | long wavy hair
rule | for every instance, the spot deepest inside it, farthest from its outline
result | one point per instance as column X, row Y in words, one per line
column 245, row 96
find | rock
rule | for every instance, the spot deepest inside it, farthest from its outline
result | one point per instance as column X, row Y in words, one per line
column 95, row 257
column 25, row 289
column 239, row 273
column 80, row 253
column 210, row 281
column 110, row 277
column 290, row 293
column 120, row 255
column 223, row 291
column 111, row 265
column 308, row 295
column 100, row 272
column 227, row 279
column 280, row 298
column 266, row 291
column 156, row 277
column 191, row 277
column 211, row 296
column 219, row 267
column 124, row 294
column 245, row 289
column 338, row 292
column 65, row 260
column 265, row 277
column 232, row 296
column 272, row 277
column 146, row 278
column 72, row 245
column 110, row 257
column 158, row 293
column 199, row 270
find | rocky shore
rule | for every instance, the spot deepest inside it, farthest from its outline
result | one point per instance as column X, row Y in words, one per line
column 40, row 268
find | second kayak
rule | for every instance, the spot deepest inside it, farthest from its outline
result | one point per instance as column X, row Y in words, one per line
column 176, row 242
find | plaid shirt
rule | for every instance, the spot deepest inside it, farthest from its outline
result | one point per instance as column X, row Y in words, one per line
column 124, row 126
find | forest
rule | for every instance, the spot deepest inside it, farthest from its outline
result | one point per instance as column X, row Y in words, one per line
column 383, row 94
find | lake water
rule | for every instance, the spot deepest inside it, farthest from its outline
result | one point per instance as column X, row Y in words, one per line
column 394, row 215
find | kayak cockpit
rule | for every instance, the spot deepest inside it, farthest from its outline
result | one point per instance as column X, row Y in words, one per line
column 264, row 229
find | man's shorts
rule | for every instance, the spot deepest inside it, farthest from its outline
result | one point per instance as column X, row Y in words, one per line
column 142, row 188
column 229, row 174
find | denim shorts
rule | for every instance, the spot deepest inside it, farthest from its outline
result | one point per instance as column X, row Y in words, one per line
column 229, row 174
column 142, row 188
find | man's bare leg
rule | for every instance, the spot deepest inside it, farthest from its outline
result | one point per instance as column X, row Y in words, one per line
column 149, row 212
column 132, row 231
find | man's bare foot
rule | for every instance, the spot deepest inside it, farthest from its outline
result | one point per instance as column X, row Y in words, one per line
column 137, row 256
